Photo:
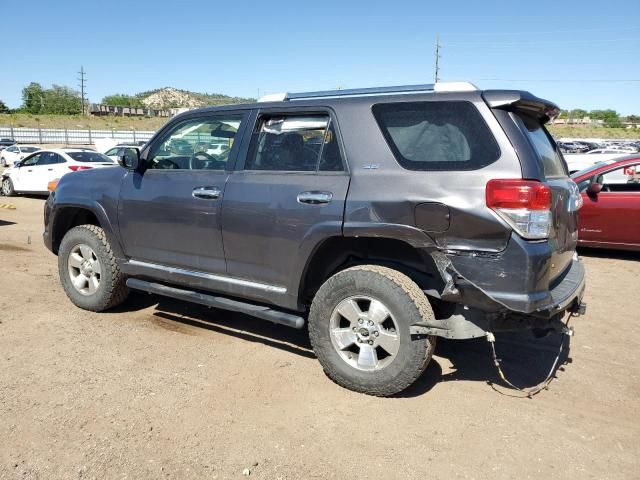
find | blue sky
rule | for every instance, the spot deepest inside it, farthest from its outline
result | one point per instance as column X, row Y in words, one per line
column 577, row 53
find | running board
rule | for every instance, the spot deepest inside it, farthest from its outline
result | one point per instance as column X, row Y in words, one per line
column 265, row 313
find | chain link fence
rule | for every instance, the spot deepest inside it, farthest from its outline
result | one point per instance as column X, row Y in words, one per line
column 72, row 137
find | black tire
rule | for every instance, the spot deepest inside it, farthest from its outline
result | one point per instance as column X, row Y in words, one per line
column 405, row 302
column 7, row 187
column 112, row 289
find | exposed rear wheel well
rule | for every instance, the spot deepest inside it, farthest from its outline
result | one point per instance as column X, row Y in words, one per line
column 66, row 219
column 338, row 253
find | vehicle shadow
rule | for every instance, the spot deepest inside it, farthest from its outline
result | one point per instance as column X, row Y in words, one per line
column 525, row 360
column 607, row 253
column 4, row 223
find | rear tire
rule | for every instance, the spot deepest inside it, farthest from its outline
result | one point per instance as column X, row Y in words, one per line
column 359, row 326
column 7, row 187
column 89, row 271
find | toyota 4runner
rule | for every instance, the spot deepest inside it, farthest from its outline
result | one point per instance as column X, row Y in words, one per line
column 382, row 218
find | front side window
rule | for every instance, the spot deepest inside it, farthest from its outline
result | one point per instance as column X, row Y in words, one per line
column 31, row 161
column 202, row 143
column 447, row 135
column 625, row 179
column 295, row 143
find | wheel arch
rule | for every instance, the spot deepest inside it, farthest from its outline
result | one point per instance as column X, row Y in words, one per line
column 338, row 253
column 67, row 216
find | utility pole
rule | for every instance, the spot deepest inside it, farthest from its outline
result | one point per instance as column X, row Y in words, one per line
column 82, row 85
column 437, row 74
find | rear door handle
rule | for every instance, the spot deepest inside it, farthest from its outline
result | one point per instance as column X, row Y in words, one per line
column 208, row 193
column 50, row 169
column 314, row 197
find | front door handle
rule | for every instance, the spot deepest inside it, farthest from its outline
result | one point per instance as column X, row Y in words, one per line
column 315, row 198
column 50, row 169
column 208, row 193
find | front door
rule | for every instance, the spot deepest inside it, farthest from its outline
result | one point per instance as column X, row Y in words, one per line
column 169, row 212
column 612, row 216
column 289, row 193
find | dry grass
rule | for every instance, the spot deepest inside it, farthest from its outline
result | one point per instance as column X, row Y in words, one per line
column 576, row 131
column 80, row 122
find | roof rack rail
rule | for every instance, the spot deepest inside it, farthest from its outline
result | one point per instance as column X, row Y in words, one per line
column 353, row 92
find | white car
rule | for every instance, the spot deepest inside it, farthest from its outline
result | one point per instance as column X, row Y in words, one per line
column 580, row 161
column 33, row 174
column 15, row 153
column 112, row 153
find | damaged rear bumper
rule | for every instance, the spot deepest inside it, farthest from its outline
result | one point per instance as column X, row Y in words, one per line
column 527, row 300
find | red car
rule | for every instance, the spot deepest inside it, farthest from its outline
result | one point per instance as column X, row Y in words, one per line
column 610, row 215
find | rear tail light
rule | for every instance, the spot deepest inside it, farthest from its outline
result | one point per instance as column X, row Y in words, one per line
column 524, row 204
column 52, row 185
column 75, row 168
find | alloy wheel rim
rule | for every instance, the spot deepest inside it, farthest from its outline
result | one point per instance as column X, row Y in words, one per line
column 364, row 333
column 84, row 268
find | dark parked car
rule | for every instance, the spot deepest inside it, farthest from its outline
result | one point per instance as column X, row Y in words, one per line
column 383, row 218
column 610, row 216
column 6, row 142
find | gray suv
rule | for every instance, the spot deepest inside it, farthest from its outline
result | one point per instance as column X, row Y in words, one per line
column 382, row 218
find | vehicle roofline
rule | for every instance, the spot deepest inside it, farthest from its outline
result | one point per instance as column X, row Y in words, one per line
column 505, row 95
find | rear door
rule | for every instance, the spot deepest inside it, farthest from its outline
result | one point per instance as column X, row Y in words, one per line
column 287, row 195
column 612, row 216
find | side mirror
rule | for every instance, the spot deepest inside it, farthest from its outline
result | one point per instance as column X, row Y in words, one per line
column 594, row 188
column 129, row 158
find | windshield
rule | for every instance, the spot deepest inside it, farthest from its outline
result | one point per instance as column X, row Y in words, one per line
column 548, row 153
column 89, row 157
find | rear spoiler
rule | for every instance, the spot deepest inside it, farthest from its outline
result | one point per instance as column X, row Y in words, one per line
column 521, row 101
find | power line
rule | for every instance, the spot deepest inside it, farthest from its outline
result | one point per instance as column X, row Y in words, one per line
column 540, row 32
column 497, row 43
column 83, row 83
column 558, row 80
column 437, row 70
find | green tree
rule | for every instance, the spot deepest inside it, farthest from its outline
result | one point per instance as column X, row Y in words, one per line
column 61, row 100
column 633, row 118
column 578, row 113
column 3, row 107
column 33, row 98
column 122, row 100
column 611, row 118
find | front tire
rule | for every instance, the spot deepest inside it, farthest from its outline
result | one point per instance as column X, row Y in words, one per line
column 89, row 271
column 7, row 187
column 359, row 327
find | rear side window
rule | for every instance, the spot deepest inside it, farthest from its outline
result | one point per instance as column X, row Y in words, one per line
column 295, row 143
column 89, row 157
column 546, row 149
column 437, row 135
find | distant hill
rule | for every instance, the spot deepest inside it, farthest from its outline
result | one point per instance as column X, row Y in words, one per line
column 169, row 97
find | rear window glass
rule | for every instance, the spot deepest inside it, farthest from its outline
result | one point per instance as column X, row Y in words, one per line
column 89, row 157
column 548, row 153
column 437, row 135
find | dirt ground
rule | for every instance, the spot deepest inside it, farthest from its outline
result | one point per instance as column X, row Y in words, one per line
column 163, row 389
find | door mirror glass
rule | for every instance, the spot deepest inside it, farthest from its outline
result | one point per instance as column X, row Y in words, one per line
column 129, row 158
column 594, row 188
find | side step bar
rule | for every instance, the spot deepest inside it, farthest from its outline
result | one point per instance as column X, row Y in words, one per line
column 259, row 311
